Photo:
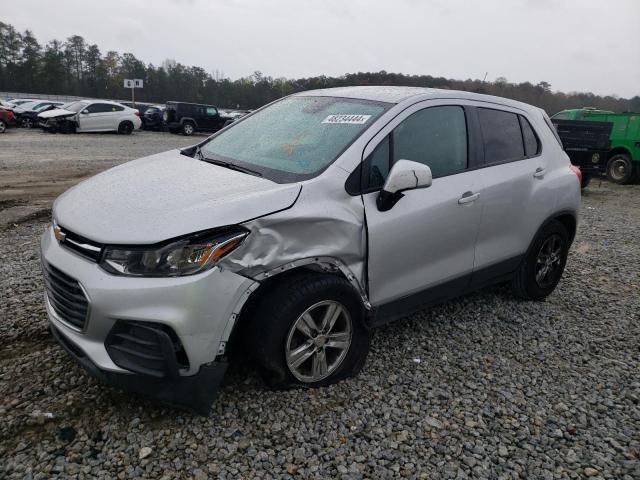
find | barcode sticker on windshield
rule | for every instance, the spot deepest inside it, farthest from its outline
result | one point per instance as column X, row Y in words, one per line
column 349, row 119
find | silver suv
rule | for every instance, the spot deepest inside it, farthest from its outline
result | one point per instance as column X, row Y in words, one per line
column 289, row 234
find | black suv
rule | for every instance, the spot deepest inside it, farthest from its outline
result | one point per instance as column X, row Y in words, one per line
column 188, row 118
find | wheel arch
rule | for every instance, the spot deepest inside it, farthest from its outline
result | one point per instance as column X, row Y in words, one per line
column 267, row 281
column 184, row 120
column 618, row 150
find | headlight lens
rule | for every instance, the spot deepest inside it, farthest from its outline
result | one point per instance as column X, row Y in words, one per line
column 185, row 256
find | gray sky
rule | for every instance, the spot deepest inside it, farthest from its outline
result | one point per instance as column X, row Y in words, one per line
column 576, row 45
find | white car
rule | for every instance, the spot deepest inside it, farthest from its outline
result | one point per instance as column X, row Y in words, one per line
column 92, row 116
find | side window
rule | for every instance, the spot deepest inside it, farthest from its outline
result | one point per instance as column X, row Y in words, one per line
column 531, row 142
column 436, row 137
column 501, row 135
column 116, row 108
column 102, row 108
column 212, row 111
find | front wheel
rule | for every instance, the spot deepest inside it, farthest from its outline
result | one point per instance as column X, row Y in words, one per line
column 309, row 331
column 541, row 269
column 620, row 169
column 27, row 123
column 3, row 126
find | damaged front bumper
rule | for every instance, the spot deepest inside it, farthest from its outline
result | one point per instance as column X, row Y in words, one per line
column 195, row 392
column 160, row 337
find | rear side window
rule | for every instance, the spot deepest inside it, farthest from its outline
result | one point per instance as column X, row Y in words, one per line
column 501, row 135
column 531, row 142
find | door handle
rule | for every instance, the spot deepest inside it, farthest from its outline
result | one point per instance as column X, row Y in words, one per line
column 540, row 172
column 468, row 197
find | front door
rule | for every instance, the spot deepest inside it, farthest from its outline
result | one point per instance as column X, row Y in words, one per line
column 422, row 249
column 96, row 118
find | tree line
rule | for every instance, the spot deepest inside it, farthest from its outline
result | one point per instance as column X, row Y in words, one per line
column 76, row 67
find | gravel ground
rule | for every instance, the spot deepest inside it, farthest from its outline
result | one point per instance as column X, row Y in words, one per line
column 36, row 167
column 487, row 386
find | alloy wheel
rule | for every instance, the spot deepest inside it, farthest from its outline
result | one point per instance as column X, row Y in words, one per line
column 318, row 341
column 549, row 261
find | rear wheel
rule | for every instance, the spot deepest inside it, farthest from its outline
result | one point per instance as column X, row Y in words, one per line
column 3, row 126
column 541, row 269
column 620, row 169
column 125, row 128
column 188, row 129
column 309, row 331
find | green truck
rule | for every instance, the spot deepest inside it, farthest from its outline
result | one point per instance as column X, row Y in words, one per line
column 623, row 157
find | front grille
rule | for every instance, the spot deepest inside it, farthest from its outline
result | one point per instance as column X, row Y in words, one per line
column 66, row 297
column 83, row 246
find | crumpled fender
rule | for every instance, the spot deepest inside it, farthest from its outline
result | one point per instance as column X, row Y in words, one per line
column 323, row 228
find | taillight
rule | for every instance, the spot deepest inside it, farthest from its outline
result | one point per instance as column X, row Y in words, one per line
column 136, row 113
column 575, row 169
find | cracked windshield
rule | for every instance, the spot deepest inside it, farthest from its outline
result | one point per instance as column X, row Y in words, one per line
column 294, row 138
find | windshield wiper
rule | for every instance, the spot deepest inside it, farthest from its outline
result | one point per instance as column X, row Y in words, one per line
column 222, row 163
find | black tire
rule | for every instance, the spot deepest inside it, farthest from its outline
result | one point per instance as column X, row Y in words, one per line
column 125, row 128
column 27, row 123
column 526, row 283
column 586, row 179
column 275, row 312
column 620, row 169
column 188, row 129
column 3, row 126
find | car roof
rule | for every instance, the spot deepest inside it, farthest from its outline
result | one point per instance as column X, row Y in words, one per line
column 189, row 103
column 398, row 94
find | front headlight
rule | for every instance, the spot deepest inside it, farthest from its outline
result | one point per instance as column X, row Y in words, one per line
column 186, row 256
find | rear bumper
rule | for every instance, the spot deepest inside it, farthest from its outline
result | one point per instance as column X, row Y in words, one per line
column 195, row 392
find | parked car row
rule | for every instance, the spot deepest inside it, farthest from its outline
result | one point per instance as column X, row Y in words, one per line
column 122, row 117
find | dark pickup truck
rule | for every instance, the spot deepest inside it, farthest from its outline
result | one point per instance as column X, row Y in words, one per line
column 587, row 144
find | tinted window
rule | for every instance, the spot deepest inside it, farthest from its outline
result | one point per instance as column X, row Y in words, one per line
column 212, row 111
column 436, row 137
column 100, row 108
column 501, row 135
column 116, row 108
column 531, row 143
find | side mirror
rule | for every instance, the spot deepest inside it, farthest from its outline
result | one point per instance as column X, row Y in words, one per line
column 404, row 175
column 85, row 112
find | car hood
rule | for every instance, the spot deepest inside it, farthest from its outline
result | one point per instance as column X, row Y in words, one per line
column 56, row 112
column 165, row 196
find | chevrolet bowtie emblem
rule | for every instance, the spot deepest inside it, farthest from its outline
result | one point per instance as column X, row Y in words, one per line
column 59, row 234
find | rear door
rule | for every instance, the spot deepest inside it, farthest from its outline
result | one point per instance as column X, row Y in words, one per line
column 513, row 176
column 422, row 249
